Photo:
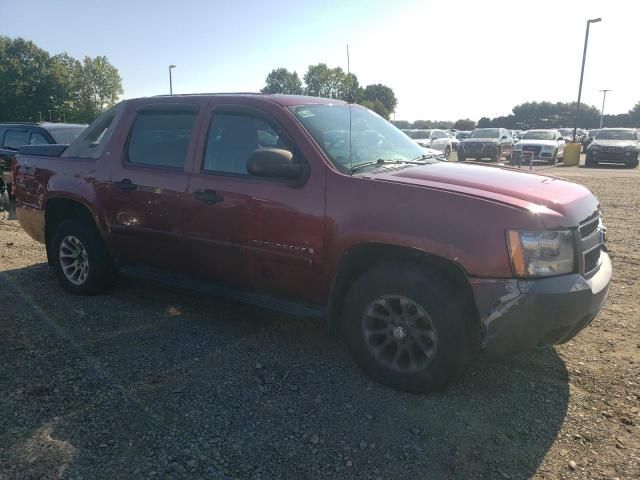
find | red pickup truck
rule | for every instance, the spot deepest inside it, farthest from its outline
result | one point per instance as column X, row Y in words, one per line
column 319, row 207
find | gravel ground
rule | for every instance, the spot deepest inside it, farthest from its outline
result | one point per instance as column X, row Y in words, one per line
column 150, row 382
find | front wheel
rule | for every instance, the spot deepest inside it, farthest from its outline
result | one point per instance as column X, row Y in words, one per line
column 447, row 153
column 405, row 328
column 80, row 259
column 461, row 158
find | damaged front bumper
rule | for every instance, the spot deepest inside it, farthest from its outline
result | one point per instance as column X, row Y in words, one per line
column 518, row 315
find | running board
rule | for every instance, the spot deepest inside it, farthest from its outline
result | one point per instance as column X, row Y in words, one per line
column 261, row 300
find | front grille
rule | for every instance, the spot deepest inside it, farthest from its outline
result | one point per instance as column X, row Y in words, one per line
column 532, row 148
column 589, row 226
column 592, row 259
column 473, row 147
column 591, row 240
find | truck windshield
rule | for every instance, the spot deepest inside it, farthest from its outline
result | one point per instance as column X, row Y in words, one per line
column 539, row 135
column 485, row 133
column 372, row 137
column 617, row 135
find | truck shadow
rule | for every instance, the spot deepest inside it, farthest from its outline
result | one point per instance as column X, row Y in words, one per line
column 150, row 378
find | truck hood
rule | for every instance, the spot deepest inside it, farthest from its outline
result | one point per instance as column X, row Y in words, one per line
column 524, row 143
column 568, row 202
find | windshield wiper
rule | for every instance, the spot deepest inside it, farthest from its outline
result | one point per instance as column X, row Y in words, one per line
column 382, row 161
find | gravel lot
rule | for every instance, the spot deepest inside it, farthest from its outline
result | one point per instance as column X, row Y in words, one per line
column 157, row 382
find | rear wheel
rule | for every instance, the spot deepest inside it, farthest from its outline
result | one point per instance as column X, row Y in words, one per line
column 405, row 328
column 5, row 205
column 81, row 260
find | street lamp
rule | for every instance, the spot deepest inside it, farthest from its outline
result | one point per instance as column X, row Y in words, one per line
column 584, row 57
column 604, row 97
column 170, row 80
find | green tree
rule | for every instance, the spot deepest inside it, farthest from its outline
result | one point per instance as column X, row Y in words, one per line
column 634, row 115
column 423, row 124
column 377, row 106
column 322, row 81
column 283, row 81
column 484, row 122
column 383, row 94
column 402, row 124
column 99, row 86
column 464, row 124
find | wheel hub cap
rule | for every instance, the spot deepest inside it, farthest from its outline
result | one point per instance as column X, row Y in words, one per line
column 74, row 260
column 399, row 333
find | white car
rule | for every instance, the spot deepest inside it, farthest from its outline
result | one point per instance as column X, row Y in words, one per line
column 454, row 141
column 546, row 145
column 436, row 139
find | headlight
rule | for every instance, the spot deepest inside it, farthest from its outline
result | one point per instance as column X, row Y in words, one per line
column 541, row 254
column 630, row 148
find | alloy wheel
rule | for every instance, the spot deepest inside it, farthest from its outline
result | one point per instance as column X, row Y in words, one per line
column 74, row 260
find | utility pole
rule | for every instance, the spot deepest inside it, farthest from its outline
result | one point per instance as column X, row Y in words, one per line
column 604, row 98
column 170, row 79
column 584, row 57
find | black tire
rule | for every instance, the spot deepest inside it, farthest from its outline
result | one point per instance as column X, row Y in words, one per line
column 436, row 297
column 554, row 159
column 5, row 205
column 447, row 153
column 633, row 163
column 589, row 163
column 101, row 272
column 461, row 158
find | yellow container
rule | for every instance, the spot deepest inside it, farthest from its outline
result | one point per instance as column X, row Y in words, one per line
column 572, row 154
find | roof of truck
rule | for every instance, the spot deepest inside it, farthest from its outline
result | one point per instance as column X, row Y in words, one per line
column 284, row 100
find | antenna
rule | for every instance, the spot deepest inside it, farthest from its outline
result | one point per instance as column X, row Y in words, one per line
column 350, row 100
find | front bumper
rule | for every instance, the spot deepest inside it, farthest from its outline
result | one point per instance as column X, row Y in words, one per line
column 519, row 315
column 518, row 157
column 612, row 156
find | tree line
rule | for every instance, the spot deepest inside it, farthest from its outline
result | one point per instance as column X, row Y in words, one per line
column 323, row 81
column 39, row 86
column 530, row 115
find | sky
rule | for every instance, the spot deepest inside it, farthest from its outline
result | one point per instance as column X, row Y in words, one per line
column 444, row 60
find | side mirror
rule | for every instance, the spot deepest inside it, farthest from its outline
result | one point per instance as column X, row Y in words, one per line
column 560, row 138
column 274, row 163
column 504, row 137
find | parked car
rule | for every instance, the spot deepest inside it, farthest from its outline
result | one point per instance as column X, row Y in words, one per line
column 546, row 145
column 14, row 135
column 567, row 134
column 416, row 262
column 588, row 138
column 436, row 139
column 454, row 142
column 614, row 145
column 462, row 134
column 493, row 143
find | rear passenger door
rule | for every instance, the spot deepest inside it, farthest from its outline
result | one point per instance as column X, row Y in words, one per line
column 253, row 233
column 145, row 196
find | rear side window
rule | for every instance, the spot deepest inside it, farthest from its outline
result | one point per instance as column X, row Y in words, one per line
column 14, row 139
column 233, row 138
column 38, row 139
column 93, row 141
column 160, row 139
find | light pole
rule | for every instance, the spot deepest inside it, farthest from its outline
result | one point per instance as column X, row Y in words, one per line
column 604, row 98
column 170, row 80
column 584, row 57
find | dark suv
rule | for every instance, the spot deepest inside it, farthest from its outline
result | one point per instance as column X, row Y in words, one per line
column 14, row 135
column 493, row 143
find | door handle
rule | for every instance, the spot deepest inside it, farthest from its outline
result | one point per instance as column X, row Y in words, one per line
column 126, row 185
column 209, row 197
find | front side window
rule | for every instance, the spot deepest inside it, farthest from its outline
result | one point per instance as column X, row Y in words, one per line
column 14, row 139
column 160, row 138
column 233, row 137
column 485, row 133
column 353, row 135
